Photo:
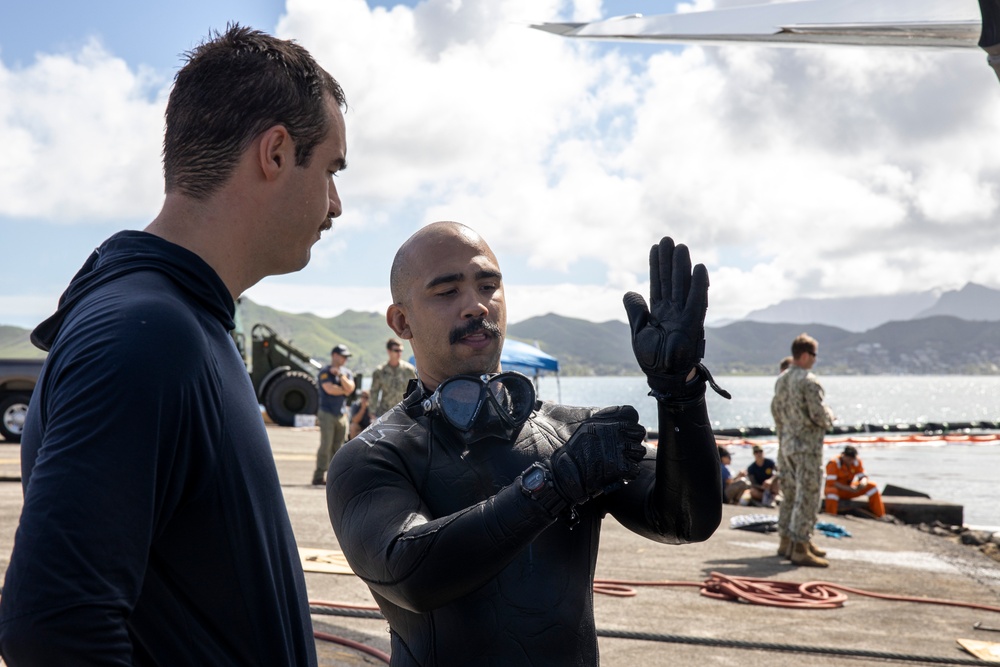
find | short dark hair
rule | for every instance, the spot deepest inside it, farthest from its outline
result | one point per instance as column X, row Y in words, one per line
column 393, row 342
column 849, row 450
column 802, row 344
column 234, row 86
column 723, row 452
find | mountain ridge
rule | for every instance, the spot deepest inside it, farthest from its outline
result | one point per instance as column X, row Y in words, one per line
column 936, row 342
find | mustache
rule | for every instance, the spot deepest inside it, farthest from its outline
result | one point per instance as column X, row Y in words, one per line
column 474, row 326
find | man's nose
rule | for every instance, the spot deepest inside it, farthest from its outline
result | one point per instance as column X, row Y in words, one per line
column 475, row 308
column 336, row 208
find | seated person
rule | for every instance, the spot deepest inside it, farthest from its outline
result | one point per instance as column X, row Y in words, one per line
column 846, row 478
column 361, row 414
column 763, row 476
column 732, row 486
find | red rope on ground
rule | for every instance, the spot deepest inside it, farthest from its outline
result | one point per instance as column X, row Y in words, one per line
column 350, row 643
column 343, row 641
column 767, row 592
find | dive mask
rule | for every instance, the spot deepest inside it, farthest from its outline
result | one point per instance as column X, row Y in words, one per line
column 481, row 406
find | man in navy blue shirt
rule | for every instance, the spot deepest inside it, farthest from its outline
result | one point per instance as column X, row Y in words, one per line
column 336, row 383
column 153, row 530
column 763, row 475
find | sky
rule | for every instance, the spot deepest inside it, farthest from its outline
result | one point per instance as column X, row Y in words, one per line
column 789, row 172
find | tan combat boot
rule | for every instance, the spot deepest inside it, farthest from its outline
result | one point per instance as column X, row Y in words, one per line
column 802, row 556
column 784, row 546
column 815, row 550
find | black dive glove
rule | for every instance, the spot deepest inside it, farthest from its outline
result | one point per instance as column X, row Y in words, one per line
column 604, row 452
column 668, row 338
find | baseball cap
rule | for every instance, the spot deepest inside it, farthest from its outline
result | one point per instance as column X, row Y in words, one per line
column 341, row 350
column 757, row 448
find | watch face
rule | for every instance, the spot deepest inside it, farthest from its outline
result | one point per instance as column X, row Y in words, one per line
column 534, row 480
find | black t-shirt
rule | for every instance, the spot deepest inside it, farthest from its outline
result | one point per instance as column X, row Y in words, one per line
column 759, row 474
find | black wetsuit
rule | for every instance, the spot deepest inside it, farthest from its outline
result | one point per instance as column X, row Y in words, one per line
column 468, row 569
column 153, row 531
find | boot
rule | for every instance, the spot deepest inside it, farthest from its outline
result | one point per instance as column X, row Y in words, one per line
column 815, row 550
column 784, row 546
column 802, row 556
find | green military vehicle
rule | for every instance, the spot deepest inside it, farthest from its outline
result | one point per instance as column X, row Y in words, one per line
column 283, row 376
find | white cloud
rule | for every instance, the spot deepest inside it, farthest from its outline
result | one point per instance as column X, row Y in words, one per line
column 824, row 171
column 82, row 138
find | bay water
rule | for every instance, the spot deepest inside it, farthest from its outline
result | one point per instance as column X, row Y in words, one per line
column 964, row 473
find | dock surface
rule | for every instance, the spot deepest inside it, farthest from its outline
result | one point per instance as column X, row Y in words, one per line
column 879, row 557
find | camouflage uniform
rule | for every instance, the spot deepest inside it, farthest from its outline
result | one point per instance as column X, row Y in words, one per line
column 389, row 385
column 801, row 419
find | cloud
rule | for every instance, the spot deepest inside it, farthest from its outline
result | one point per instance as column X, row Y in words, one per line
column 82, row 138
column 790, row 172
column 818, row 159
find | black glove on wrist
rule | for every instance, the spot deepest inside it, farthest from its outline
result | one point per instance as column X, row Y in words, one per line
column 604, row 452
column 668, row 337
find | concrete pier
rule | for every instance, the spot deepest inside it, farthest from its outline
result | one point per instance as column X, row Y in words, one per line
column 880, row 557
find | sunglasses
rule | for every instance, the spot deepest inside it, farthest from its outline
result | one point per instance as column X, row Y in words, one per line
column 460, row 399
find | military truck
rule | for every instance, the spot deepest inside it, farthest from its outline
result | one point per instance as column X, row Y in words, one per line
column 17, row 381
column 283, row 376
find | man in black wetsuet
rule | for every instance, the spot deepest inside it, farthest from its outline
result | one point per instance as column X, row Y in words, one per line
column 473, row 511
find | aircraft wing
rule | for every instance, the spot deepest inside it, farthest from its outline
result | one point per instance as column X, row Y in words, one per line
column 927, row 23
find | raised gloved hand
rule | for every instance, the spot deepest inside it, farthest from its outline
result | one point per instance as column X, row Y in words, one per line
column 668, row 337
column 604, row 452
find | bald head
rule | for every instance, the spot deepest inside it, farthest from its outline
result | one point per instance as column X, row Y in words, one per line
column 448, row 301
column 404, row 264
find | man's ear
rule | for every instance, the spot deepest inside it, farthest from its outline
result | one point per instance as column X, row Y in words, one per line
column 395, row 317
column 275, row 151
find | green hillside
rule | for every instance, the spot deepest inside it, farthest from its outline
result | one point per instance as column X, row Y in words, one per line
column 16, row 344
column 932, row 345
column 582, row 347
column 364, row 333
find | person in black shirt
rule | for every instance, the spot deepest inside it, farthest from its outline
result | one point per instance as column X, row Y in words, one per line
column 763, row 474
column 153, row 530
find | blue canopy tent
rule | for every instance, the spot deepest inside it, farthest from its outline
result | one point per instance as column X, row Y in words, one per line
column 528, row 359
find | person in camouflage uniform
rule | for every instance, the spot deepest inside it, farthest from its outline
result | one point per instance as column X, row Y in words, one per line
column 801, row 419
column 390, row 379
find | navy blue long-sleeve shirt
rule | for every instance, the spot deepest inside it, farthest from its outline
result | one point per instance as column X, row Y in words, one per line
column 153, row 531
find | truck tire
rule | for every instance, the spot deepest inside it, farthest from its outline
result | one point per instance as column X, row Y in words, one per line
column 13, row 410
column 293, row 393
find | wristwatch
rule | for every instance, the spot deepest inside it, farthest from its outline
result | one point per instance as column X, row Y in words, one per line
column 533, row 480
column 536, row 483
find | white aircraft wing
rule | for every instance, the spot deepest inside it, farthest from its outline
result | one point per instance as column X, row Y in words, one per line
column 949, row 23
column 923, row 23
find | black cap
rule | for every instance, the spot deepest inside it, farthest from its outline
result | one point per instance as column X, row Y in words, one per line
column 723, row 451
column 341, row 350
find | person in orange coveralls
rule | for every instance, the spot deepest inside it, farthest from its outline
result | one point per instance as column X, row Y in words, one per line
column 846, row 478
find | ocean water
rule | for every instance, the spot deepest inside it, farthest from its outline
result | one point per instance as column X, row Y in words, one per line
column 965, row 473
